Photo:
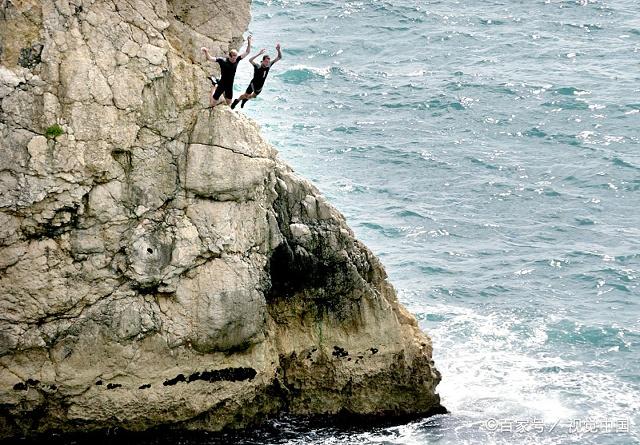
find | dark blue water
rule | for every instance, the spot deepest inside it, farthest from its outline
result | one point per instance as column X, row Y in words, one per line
column 488, row 152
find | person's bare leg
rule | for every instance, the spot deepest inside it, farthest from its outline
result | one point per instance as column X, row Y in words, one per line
column 212, row 101
column 235, row 102
column 249, row 96
column 243, row 98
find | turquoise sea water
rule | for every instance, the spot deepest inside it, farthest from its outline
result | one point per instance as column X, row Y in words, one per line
column 488, row 151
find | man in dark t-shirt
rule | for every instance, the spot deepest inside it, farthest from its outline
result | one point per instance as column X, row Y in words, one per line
column 260, row 72
column 228, row 66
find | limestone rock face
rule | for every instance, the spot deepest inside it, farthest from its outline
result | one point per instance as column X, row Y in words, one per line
column 159, row 265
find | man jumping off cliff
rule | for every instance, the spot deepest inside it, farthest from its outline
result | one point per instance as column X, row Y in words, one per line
column 260, row 72
column 228, row 68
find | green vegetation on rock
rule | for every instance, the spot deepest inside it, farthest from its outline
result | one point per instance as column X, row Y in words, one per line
column 54, row 131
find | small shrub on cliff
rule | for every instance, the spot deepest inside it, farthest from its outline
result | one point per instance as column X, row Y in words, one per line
column 54, row 131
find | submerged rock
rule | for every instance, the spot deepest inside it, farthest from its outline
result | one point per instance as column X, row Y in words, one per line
column 159, row 265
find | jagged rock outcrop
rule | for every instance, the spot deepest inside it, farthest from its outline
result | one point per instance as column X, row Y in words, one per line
column 159, row 265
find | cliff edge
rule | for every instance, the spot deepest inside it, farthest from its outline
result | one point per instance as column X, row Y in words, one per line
column 159, row 265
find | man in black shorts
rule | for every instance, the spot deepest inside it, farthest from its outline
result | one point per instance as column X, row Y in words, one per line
column 228, row 68
column 260, row 73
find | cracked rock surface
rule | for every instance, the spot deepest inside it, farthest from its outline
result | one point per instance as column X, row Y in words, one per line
column 159, row 264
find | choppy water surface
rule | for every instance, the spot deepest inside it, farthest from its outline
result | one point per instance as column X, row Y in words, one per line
column 488, row 152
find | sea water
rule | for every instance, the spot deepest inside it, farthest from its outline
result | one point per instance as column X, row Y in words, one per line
column 488, row 152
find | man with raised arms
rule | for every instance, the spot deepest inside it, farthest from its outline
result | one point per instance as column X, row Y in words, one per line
column 228, row 66
column 260, row 72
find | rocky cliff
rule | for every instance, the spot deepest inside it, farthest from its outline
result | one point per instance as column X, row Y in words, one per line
column 159, row 265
